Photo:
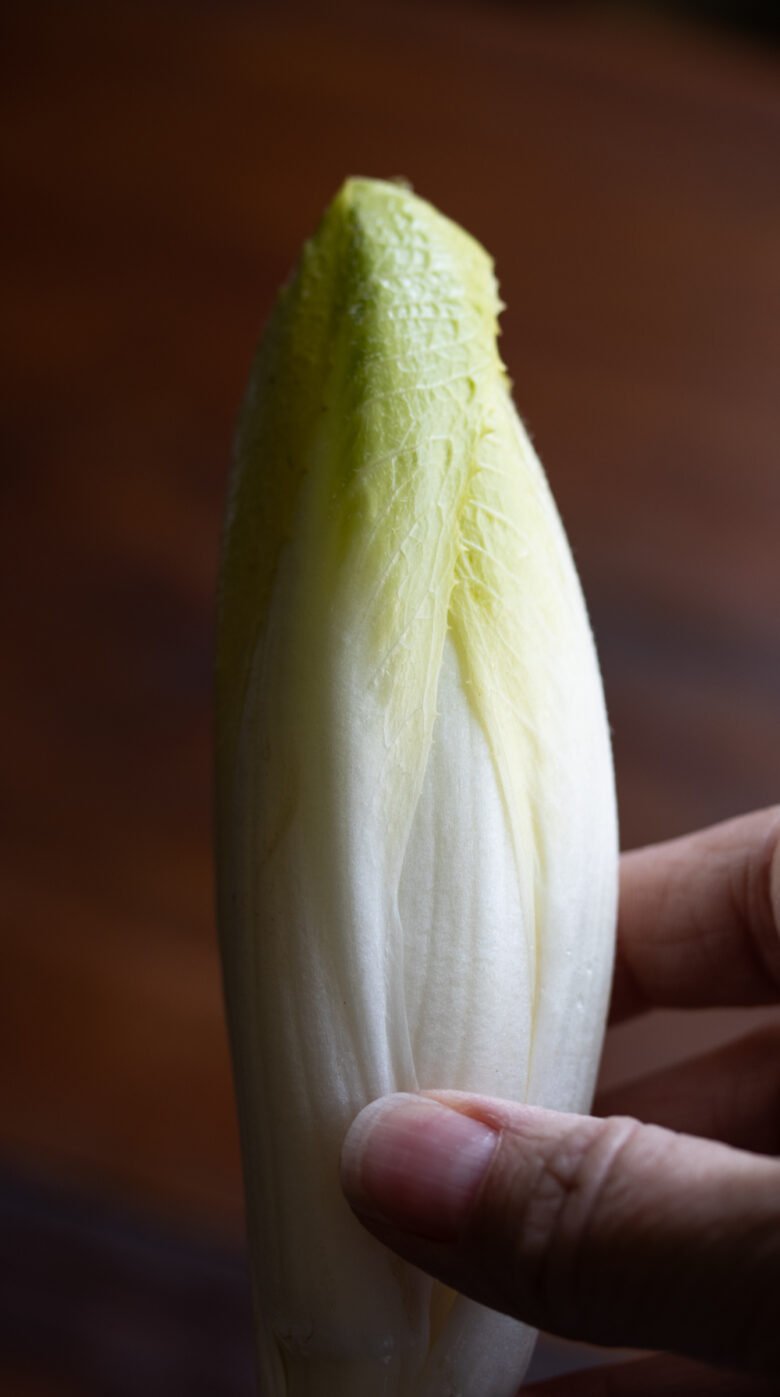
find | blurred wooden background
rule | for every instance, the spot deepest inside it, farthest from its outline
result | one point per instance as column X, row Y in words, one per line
column 161, row 166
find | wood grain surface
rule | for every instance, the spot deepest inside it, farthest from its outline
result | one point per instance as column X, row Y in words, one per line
column 161, row 165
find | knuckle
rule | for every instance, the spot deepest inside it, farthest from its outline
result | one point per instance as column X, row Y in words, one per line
column 757, row 901
column 571, row 1210
column 751, row 1092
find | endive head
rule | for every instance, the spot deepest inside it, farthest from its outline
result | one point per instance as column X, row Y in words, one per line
column 417, row 836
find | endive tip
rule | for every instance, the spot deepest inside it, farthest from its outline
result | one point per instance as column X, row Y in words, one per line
column 390, row 303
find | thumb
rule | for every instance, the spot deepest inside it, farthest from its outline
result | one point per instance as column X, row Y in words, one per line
column 602, row 1230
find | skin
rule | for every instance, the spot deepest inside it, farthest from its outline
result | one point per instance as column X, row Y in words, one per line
column 654, row 1223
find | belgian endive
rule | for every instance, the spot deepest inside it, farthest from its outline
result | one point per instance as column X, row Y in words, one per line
column 417, row 848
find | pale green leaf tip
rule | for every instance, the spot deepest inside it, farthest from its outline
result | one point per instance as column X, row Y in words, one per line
column 367, row 208
column 386, row 286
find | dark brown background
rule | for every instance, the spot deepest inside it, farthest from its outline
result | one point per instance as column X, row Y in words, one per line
column 161, row 165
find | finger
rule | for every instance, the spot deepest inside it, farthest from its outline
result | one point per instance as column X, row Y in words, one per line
column 731, row 1094
column 601, row 1230
column 649, row 1377
column 699, row 919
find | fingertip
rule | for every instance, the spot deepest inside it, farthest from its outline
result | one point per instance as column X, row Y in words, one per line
column 415, row 1164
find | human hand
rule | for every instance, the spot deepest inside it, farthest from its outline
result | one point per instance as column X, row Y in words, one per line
column 598, row 1227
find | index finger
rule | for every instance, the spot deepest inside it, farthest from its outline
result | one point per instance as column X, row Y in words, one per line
column 699, row 920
